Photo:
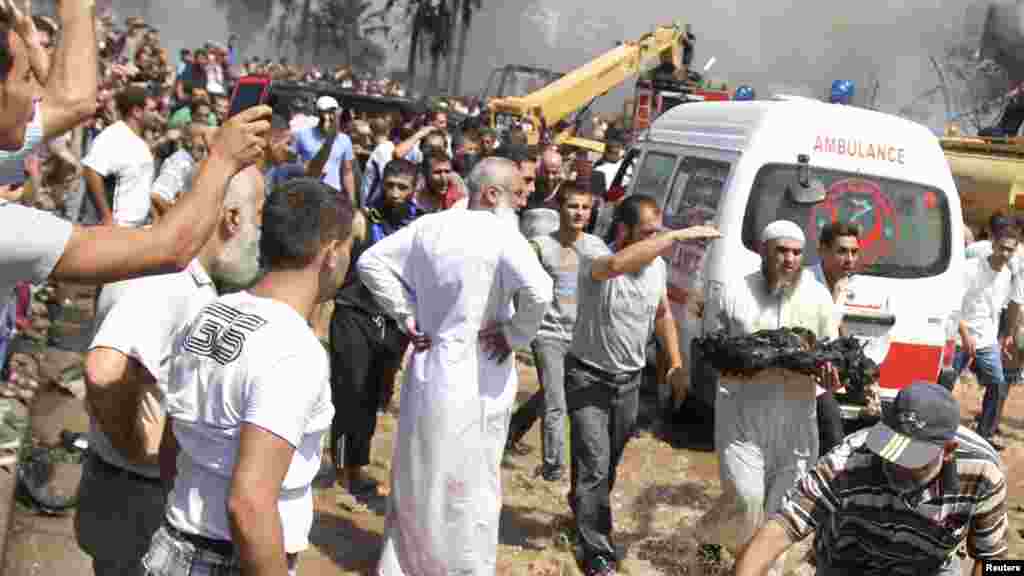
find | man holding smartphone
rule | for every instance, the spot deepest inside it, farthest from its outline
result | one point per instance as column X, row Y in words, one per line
column 37, row 245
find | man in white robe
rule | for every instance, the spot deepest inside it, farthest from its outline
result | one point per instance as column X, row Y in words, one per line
column 450, row 279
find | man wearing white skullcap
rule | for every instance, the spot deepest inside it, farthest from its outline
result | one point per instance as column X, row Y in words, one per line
column 782, row 229
column 765, row 427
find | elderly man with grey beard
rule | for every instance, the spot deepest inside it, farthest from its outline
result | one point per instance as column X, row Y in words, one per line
column 766, row 429
column 121, row 498
column 449, row 279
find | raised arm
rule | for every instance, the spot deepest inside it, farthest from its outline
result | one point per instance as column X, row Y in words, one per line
column 405, row 146
column 636, row 256
column 69, row 96
column 25, row 27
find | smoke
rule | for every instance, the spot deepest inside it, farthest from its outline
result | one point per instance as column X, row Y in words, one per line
column 791, row 46
column 555, row 26
column 1003, row 37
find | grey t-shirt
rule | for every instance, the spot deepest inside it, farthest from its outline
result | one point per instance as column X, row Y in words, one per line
column 616, row 317
column 32, row 242
column 563, row 267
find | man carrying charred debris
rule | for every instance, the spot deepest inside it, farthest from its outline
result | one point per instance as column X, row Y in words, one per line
column 765, row 426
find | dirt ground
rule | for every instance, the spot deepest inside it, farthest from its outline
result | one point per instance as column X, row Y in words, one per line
column 662, row 490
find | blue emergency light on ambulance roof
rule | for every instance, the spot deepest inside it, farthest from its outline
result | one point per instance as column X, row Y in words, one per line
column 842, row 92
column 744, row 93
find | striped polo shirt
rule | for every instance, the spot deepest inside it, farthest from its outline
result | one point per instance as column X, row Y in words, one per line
column 863, row 526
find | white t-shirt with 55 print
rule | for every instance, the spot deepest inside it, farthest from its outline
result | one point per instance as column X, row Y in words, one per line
column 245, row 359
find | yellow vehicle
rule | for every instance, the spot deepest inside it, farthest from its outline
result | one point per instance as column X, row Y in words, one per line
column 545, row 110
column 989, row 174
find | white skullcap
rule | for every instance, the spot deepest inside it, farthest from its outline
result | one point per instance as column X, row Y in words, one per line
column 782, row 229
column 326, row 103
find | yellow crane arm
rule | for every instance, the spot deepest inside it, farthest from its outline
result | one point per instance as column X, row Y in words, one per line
column 561, row 98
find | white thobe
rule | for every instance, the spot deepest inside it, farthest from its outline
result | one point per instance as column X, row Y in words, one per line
column 766, row 428
column 456, row 272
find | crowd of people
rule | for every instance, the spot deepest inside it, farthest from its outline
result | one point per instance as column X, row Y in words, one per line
column 223, row 244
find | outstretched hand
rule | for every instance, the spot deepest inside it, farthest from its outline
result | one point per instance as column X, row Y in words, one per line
column 697, row 233
column 494, row 343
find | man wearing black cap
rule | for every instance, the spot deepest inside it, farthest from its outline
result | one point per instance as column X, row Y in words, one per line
column 896, row 499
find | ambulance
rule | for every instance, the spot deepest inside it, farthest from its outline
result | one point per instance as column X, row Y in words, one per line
column 742, row 164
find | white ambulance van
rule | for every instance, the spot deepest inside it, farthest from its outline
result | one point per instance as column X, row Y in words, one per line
column 741, row 165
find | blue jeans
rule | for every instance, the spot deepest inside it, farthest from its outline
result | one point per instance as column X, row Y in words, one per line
column 988, row 365
column 549, row 357
column 602, row 415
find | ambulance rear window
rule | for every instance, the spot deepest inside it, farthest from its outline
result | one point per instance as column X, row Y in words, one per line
column 906, row 231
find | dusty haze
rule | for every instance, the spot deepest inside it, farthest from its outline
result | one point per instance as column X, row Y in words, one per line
column 792, row 46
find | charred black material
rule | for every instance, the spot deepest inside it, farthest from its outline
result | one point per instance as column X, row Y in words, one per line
column 793, row 349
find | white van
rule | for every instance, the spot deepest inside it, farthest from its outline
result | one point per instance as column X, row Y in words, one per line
column 741, row 165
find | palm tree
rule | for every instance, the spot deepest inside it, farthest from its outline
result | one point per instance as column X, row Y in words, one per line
column 449, row 69
column 282, row 31
column 247, row 17
column 418, row 20
column 468, row 9
column 352, row 23
column 442, row 30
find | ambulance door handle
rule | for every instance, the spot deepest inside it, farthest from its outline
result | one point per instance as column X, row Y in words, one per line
column 878, row 319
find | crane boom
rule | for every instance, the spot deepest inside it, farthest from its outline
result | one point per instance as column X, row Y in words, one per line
column 557, row 101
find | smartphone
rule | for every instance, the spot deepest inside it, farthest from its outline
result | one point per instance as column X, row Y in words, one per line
column 249, row 91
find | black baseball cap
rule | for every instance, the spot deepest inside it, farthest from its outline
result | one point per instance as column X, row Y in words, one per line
column 914, row 431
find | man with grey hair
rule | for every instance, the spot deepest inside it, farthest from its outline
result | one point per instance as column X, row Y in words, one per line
column 766, row 430
column 121, row 500
column 449, row 279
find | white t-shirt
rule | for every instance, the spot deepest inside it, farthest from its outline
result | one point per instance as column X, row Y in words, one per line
column 176, row 175
column 609, row 170
column 32, row 243
column 245, row 359
column 744, row 306
column 374, row 172
column 118, row 152
column 986, row 292
column 983, row 249
column 166, row 302
column 819, row 275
